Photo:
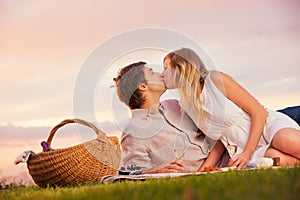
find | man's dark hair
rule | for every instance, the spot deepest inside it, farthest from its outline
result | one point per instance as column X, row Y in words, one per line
column 128, row 81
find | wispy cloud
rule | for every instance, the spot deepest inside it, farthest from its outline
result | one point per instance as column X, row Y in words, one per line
column 43, row 45
column 11, row 134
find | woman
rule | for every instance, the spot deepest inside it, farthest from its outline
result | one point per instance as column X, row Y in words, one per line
column 224, row 110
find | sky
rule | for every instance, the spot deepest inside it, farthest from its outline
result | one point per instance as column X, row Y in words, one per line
column 44, row 46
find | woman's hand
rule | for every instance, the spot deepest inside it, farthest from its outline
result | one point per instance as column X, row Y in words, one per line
column 240, row 160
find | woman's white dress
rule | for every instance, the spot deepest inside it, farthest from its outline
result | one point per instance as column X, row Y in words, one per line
column 224, row 120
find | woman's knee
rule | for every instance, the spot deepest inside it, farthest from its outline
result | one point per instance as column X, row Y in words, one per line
column 285, row 159
column 287, row 140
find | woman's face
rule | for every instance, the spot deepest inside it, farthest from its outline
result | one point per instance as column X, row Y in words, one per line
column 168, row 75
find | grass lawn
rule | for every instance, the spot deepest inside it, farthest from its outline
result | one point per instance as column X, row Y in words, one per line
column 283, row 183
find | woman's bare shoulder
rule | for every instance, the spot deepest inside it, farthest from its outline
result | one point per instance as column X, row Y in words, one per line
column 218, row 79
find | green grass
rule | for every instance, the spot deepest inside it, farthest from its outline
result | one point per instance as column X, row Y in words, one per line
column 272, row 184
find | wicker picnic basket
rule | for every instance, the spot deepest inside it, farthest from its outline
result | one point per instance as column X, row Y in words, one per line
column 79, row 164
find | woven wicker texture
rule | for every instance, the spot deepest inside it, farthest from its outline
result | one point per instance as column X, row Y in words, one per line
column 79, row 164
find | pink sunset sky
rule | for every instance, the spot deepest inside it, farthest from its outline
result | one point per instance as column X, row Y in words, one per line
column 44, row 44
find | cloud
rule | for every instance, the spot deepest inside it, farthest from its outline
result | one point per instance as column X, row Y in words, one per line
column 43, row 45
column 11, row 135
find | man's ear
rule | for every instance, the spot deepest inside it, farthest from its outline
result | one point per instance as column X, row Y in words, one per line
column 143, row 87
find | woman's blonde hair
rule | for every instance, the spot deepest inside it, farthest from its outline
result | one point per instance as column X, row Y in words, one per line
column 190, row 73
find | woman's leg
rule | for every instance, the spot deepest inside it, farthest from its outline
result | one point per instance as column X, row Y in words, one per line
column 287, row 140
column 285, row 159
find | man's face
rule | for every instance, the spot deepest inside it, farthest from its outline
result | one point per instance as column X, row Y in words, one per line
column 154, row 80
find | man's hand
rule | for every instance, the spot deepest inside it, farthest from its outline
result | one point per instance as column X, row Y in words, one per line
column 174, row 166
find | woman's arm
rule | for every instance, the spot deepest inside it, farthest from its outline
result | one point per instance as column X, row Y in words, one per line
column 238, row 95
column 213, row 156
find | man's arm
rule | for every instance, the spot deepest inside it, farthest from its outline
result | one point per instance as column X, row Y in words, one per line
column 174, row 166
column 136, row 154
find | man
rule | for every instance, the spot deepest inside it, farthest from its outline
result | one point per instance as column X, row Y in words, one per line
column 150, row 139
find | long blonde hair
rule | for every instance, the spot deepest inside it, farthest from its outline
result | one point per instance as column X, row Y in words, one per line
column 190, row 73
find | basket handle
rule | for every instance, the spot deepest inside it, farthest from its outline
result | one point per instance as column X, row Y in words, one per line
column 69, row 121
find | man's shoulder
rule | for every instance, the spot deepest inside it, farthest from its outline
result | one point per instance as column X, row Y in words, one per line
column 172, row 110
column 171, row 104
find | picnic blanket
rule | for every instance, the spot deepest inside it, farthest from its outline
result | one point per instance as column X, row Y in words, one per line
column 142, row 177
column 116, row 178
